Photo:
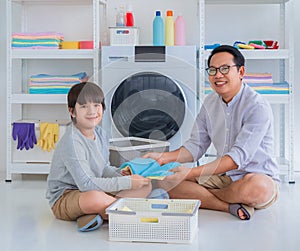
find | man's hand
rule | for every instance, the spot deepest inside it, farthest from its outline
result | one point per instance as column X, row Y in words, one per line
column 181, row 173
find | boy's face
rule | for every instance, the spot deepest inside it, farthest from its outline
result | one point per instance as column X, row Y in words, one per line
column 87, row 115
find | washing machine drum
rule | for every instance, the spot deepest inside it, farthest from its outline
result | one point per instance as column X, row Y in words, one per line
column 148, row 105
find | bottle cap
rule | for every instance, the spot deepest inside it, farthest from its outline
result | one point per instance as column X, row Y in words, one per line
column 157, row 13
column 169, row 13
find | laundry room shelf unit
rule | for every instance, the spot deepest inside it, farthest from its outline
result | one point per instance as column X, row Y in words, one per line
column 281, row 60
column 81, row 23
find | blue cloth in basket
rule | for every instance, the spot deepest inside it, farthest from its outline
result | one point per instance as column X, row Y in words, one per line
column 149, row 168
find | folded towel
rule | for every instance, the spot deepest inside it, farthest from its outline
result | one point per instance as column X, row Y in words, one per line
column 149, row 168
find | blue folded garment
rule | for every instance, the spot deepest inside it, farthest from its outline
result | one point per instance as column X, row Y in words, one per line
column 149, row 168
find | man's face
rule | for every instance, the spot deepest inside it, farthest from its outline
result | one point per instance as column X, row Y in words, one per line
column 227, row 85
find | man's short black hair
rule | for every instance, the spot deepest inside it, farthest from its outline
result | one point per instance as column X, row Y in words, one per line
column 238, row 57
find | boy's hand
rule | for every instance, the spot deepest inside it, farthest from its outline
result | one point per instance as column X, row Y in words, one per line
column 125, row 172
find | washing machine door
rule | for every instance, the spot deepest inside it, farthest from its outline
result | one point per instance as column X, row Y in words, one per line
column 148, row 105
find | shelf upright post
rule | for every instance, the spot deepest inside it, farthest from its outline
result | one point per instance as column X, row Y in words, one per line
column 9, row 90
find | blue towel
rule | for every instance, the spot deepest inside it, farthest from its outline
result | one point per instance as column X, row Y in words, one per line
column 149, row 168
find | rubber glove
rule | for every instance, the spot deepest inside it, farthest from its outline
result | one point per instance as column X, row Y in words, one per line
column 31, row 136
column 49, row 135
column 43, row 135
column 25, row 134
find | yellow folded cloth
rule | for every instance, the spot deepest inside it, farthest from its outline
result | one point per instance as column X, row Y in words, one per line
column 70, row 45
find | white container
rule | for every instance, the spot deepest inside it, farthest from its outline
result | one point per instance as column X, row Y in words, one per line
column 128, row 148
column 153, row 220
column 124, row 35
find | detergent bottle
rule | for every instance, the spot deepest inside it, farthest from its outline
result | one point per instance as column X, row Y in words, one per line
column 120, row 17
column 169, row 29
column 129, row 16
column 158, row 30
column 179, row 30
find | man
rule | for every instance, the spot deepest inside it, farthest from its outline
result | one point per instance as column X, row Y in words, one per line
column 238, row 122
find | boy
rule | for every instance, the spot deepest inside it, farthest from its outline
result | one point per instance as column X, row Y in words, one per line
column 81, row 183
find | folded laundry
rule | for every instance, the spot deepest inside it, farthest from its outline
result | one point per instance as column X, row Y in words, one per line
column 54, row 84
column 149, row 168
column 37, row 40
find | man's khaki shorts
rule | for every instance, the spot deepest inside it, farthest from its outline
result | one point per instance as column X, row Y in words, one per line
column 222, row 181
column 67, row 206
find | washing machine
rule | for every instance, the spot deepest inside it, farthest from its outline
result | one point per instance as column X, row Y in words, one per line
column 150, row 92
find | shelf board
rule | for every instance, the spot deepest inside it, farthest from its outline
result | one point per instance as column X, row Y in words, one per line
column 245, row 1
column 30, row 168
column 53, row 54
column 39, row 99
column 59, row 2
column 260, row 54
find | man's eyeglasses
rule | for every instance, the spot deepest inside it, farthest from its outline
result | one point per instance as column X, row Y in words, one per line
column 223, row 69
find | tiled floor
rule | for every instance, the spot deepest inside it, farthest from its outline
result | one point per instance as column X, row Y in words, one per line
column 27, row 224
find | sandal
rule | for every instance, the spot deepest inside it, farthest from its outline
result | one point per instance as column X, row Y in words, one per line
column 235, row 207
column 89, row 222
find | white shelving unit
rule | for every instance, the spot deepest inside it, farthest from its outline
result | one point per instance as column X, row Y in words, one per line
column 284, row 56
column 20, row 64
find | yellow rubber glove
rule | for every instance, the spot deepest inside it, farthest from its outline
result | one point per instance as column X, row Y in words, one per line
column 49, row 135
column 43, row 136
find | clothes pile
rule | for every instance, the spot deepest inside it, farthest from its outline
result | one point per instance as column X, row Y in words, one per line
column 54, row 84
column 36, row 40
column 263, row 83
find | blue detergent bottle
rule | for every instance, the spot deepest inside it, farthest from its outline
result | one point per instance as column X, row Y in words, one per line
column 158, row 30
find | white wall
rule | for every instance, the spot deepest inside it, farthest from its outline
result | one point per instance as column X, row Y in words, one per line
column 234, row 24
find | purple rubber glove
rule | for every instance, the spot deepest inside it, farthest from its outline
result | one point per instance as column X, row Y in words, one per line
column 25, row 134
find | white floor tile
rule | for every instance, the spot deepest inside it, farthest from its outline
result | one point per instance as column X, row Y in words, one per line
column 27, row 224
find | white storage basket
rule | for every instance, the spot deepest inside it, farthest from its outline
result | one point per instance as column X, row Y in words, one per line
column 124, row 35
column 128, row 148
column 153, row 220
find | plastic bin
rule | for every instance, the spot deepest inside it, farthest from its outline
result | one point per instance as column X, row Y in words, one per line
column 124, row 35
column 153, row 220
column 128, row 148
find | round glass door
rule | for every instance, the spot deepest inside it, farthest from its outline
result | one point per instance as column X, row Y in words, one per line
column 148, row 105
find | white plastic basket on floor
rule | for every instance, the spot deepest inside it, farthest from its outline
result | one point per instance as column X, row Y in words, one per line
column 153, row 220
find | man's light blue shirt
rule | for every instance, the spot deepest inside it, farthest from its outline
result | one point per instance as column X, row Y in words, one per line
column 241, row 129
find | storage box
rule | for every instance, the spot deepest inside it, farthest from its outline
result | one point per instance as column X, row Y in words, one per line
column 124, row 35
column 86, row 44
column 128, row 148
column 153, row 220
column 70, row 45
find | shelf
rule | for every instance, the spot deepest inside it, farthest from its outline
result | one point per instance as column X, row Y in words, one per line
column 39, row 99
column 59, row 2
column 245, row 1
column 30, row 168
column 260, row 54
column 53, row 54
